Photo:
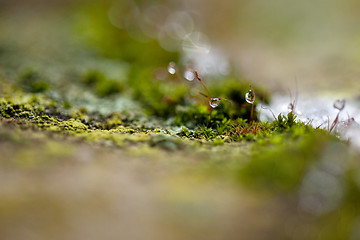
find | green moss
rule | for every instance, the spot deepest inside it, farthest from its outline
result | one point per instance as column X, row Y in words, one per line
column 42, row 112
column 197, row 110
column 31, row 81
column 239, row 129
column 40, row 124
column 101, row 85
column 67, row 105
column 284, row 122
column 281, row 165
column 73, row 125
column 165, row 142
column 192, row 115
column 159, row 98
column 218, row 142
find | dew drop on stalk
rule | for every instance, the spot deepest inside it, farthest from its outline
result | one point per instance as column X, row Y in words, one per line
column 250, row 96
column 214, row 102
column 172, row 68
column 339, row 104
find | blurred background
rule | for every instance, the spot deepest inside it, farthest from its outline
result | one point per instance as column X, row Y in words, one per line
column 275, row 43
column 306, row 49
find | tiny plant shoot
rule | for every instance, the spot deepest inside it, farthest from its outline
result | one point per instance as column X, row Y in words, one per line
column 339, row 105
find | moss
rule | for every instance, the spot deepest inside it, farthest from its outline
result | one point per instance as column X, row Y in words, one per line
column 192, row 115
column 281, row 166
column 73, row 125
column 218, row 142
column 197, row 110
column 240, row 130
column 39, row 124
column 101, row 85
column 67, row 105
column 159, row 98
column 166, row 142
column 39, row 111
column 31, row 81
column 284, row 122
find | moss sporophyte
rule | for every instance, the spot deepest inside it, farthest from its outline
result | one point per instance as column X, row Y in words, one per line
column 250, row 98
column 213, row 102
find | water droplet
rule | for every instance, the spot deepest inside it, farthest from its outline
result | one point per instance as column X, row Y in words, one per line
column 172, row 68
column 250, row 96
column 339, row 104
column 214, row 102
column 189, row 75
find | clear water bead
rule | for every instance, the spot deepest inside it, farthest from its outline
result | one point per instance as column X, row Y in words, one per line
column 172, row 68
column 250, row 96
column 339, row 104
column 214, row 102
column 189, row 75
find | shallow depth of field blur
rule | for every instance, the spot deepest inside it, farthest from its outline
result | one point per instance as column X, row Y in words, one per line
column 103, row 134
